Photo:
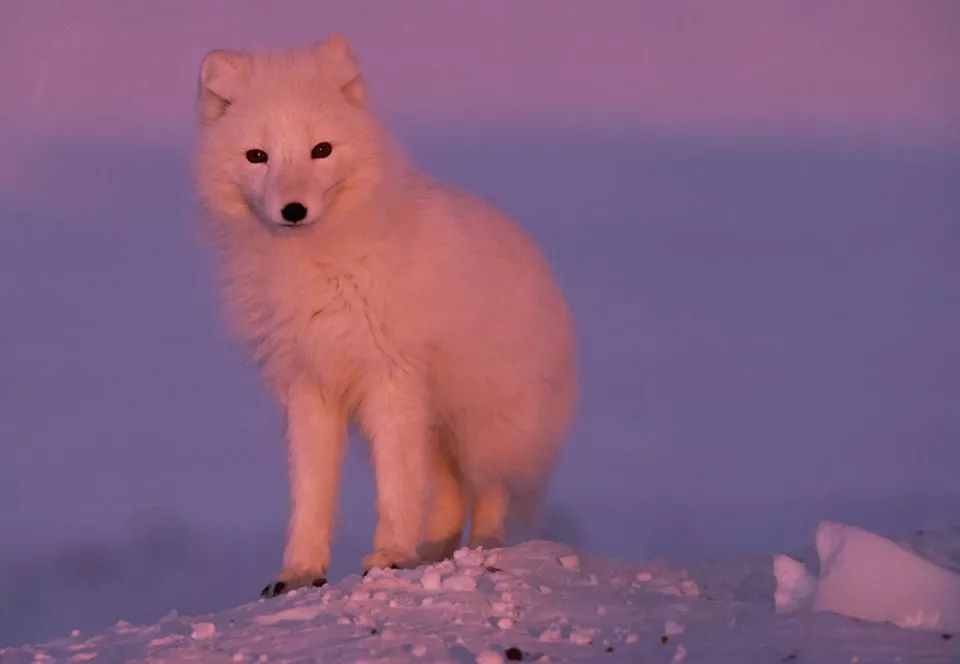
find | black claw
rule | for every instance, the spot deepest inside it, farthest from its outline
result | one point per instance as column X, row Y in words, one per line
column 319, row 582
column 273, row 589
column 514, row 654
column 394, row 566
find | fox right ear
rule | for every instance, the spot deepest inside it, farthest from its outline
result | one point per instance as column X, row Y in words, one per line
column 223, row 76
column 337, row 57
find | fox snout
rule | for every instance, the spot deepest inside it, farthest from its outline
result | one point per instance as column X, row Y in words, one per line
column 289, row 199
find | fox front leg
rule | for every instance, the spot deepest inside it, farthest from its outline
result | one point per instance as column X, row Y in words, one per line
column 316, row 431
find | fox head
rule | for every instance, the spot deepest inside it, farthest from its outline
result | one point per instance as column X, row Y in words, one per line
column 284, row 137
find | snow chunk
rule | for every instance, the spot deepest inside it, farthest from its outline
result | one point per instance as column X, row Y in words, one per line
column 581, row 637
column 870, row 577
column 505, row 623
column 165, row 640
column 489, row 657
column 663, row 587
column 468, row 557
column 672, row 628
column 679, row 655
column 204, row 630
column 689, row 588
column 570, row 563
column 364, row 620
column 418, row 650
column 459, row 582
column 643, row 577
column 550, row 635
column 796, row 587
column 501, row 608
column 430, row 580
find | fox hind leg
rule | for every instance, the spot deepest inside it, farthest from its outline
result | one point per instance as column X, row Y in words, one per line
column 448, row 510
column 395, row 419
column 490, row 503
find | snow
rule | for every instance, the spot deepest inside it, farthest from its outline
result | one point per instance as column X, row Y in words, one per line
column 461, row 582
column 571, row 562
column 386, row 616
column 204, row 630
column 871, row 577
column 679, row 654
column 489, row 657
column 914, row 584
column 796, row 587
column 431, row 580
column 672, row 628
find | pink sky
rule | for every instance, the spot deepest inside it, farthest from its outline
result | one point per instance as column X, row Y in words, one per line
column 884, row 72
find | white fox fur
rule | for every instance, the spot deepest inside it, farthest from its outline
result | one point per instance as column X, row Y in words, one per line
column 419, row 310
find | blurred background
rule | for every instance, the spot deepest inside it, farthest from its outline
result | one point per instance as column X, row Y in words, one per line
column 754, row 208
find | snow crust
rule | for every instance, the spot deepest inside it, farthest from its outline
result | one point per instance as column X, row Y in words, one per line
column 530, row 603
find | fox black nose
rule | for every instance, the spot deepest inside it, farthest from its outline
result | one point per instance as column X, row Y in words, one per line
column 294, row 212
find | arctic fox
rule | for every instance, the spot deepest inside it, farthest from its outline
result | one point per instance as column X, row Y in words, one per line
column 367, row 290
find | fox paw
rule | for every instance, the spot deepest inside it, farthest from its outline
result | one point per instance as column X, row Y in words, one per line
column 435, row 550
column 389, row 558
column 284, row 585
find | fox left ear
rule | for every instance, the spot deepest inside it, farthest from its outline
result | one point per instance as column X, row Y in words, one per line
column 337, row 56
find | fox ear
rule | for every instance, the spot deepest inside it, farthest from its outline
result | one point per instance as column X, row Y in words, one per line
column 223, row 75
column 337, row 57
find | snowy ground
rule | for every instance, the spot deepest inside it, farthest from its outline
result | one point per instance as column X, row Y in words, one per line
column 541, row 601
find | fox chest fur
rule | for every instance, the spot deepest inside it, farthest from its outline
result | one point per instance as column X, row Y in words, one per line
column 328, row 321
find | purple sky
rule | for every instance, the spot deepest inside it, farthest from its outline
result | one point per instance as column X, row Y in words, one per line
column 752, row 208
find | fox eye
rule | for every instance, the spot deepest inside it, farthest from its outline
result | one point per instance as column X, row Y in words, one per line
column 256, row 156
column 321, row 150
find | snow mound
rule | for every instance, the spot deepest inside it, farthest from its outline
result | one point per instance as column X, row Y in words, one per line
column 524, row 603
column 871, row 577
